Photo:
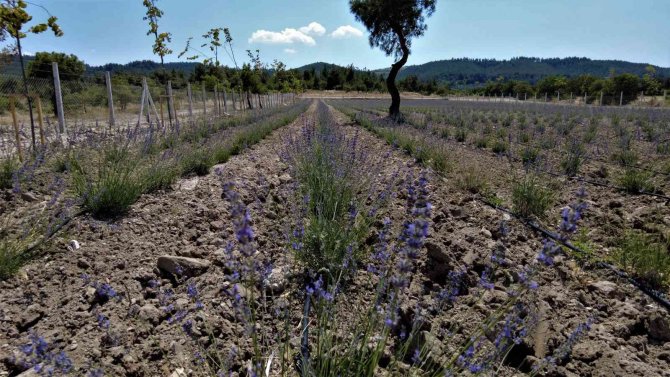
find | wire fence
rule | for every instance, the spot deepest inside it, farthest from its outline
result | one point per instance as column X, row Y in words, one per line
column 86, row 108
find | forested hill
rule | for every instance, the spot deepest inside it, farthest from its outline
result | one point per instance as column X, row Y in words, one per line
column 140, row 67
column 470, row 72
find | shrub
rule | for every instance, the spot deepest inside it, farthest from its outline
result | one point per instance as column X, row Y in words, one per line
column 461, row 135
column 11, row 257
column 573, row 159
column 481, row 142
column 645, row 257
column 160, row 176
column 110, row 186
column 625, row 158
column 530, row 198
column 499, row 147
column 634, row 181
column 473, row 181
column 7, row 168
column 196, row 161
column 529, row 156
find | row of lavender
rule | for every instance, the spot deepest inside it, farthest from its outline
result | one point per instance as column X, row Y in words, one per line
column 105, row 174
column 535, row 182
column 327, row 239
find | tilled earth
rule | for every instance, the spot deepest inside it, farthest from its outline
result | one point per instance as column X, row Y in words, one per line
column 55, row 295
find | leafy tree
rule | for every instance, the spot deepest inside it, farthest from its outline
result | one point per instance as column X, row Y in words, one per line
column 13, row 17
column 392, row 25
column 161, row 40
column 69, row 66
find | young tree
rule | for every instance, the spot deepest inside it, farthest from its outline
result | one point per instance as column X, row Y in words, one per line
column 161, row 40
column 13, row 17
column 392, row 25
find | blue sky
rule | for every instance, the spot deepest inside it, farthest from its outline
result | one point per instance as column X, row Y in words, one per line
column 101, row 31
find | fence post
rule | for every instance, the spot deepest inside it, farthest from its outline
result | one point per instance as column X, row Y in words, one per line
column 584, row 98
column 204, row 101
column 40, row 121
column 110, row 99
column 171, row 110
column 216, row 101
column 601, row 98
column 15, row 122
column 225, row 101
column 559, row 96
column 190, row 101
column 59, row 98
column 621, row 99
column 545, row 96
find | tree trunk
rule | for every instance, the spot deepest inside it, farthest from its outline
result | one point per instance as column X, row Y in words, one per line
column 394, row 110
column 25, row 92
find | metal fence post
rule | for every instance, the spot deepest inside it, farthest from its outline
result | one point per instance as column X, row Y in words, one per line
column 204, row 101
column 59, row 98
column 190, row 101
column 110, row 99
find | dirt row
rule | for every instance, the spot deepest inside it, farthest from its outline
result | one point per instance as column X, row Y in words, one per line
column 57, row 296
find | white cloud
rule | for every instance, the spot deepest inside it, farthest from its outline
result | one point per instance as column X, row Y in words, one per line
column 286, row 36
column 314, row 28
column 346, row 31
column 290, row 51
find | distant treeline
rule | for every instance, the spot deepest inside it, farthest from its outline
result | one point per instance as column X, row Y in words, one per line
column 628, row 84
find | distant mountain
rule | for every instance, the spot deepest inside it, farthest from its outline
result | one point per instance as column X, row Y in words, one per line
column 318, row 67
column 143, row 67
column 140, row 67
column 471, row 72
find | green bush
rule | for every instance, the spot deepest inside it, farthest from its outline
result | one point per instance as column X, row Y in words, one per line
column 499, row 147
column 7, row 168
column 473, row 181
column 461, row 135
column 625, row 158
column 573, row 159
column 481, row 142
column 108, row 186
column 529, row 156
column 530, row 198
column 11, row 257
column 634, row 181
column 645, row 257
column 196, row 161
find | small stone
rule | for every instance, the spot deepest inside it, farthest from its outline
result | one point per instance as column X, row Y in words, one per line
column 190, row 184
column 276, row 281
column 175, row 265
column 83, row 263
column 658, row 327
column 30, row 317
column 29, row 197
column 150, row 314
column 486, row 233
column 436, row 252
column 73, row 245
column 607, row 288
column 179, row 372
column 217, row 225
column 285, row 178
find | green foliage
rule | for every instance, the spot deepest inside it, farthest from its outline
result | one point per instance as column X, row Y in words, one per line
column 11, row 256
column 473, row 181
column 530, row 198
column 625, row 158
column 634, row 181
column 573, row 159
column 647, row 258
column 196, row 161
column 7, row 168
column 461, row 135
column 529, row 155
column 499, row 146
column 109, row 185
column 69, row 66
column 161, row 40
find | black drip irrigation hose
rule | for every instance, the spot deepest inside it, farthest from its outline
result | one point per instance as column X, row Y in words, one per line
column 657, row 296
